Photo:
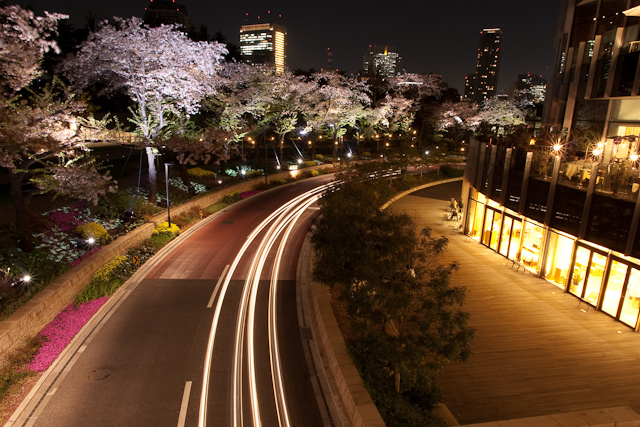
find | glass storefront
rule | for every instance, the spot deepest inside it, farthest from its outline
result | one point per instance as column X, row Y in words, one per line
column 629, row 311
column 474, row 225
column 601, row 277
column 559, row 255
column 531, row 245
column 587, row 274
column 492, row 224
column 622, row 293
column 510, row 237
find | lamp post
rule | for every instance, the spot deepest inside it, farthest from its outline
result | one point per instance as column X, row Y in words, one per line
column 166, row 180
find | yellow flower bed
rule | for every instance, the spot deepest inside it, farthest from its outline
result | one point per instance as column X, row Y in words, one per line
column 105, row 273
column 164, row 228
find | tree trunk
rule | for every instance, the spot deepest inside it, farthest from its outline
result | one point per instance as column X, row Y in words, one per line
column 21, row 203
column 153, row 174
column 397, row 375
column 281, row 147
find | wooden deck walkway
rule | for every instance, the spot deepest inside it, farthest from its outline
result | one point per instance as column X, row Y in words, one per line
column 536, row 352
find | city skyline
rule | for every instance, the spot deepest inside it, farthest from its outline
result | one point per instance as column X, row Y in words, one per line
column 426, row 41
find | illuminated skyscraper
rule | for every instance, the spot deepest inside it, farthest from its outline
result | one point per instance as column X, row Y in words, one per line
column 381, row 61
column 264, row 44
column 488, row 64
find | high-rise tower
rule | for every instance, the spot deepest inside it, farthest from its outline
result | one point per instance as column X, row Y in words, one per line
column 264, row 44
column 381, row 61
column 487, row 65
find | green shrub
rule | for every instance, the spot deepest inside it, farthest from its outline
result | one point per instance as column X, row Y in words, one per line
column 201, row 173
column 366, row 155
column 314, row 173
column 450, row 172
column 215, row 207
column 254, row 174
column 309, row 163
column 278, row 181
column 231, row 198
column 319, row 157
column 93, row 230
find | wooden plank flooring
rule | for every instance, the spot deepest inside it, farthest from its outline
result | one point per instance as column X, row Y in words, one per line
column 536, row 352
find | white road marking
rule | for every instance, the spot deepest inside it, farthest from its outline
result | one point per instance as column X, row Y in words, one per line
column 215, row 291
column 185, row 402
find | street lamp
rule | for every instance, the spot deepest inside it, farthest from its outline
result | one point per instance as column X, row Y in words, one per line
column 166, row 180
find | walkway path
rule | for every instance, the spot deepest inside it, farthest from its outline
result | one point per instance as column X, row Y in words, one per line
column 536, row 352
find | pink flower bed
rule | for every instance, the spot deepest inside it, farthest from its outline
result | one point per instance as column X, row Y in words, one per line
column 247, row 194
column 59, row 333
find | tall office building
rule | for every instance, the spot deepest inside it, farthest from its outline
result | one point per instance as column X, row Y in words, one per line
column 532, row 86
column 487, row 65
column 470, row 87
column 167, row 12
column 264, row 44
column 596, row 83
column 381, row 61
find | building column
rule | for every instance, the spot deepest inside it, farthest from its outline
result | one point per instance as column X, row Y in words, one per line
column 491, row 169
column 587, row 201
column 478, row 184
column 552, row 190
column 505, row 176
column 525, row 183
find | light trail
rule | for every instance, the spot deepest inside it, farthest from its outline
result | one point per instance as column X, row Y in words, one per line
column 237, row 397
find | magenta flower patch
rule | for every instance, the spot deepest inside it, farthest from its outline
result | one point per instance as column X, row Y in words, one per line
column 59, row 333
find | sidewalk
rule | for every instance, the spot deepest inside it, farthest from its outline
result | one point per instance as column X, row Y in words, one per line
column 536, row 353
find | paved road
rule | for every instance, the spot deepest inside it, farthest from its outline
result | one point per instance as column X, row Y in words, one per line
column 150, row 353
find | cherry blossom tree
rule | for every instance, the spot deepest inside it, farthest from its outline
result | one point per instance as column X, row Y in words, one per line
column 285, row 99
column 337, row 104
column 500, row 114
column 41, row 125
column 162, row 70
column 184, row 143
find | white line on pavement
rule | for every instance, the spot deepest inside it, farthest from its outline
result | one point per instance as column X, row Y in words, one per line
column 185, row 402
column 215, row 291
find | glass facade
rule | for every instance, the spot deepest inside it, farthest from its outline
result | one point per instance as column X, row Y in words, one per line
column 578, row 226
column 559, row 255
column 602, row 278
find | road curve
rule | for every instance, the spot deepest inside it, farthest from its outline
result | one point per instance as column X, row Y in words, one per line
column 152, row 361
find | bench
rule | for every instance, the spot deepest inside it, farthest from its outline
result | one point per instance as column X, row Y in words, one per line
column 514, row 262
column 590, row 300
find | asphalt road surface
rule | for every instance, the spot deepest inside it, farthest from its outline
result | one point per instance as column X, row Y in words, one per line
column 153, row 361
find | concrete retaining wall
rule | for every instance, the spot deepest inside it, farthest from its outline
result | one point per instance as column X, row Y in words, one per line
column 27, row 321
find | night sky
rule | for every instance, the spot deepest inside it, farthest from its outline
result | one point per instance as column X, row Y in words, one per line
column 439, row 37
